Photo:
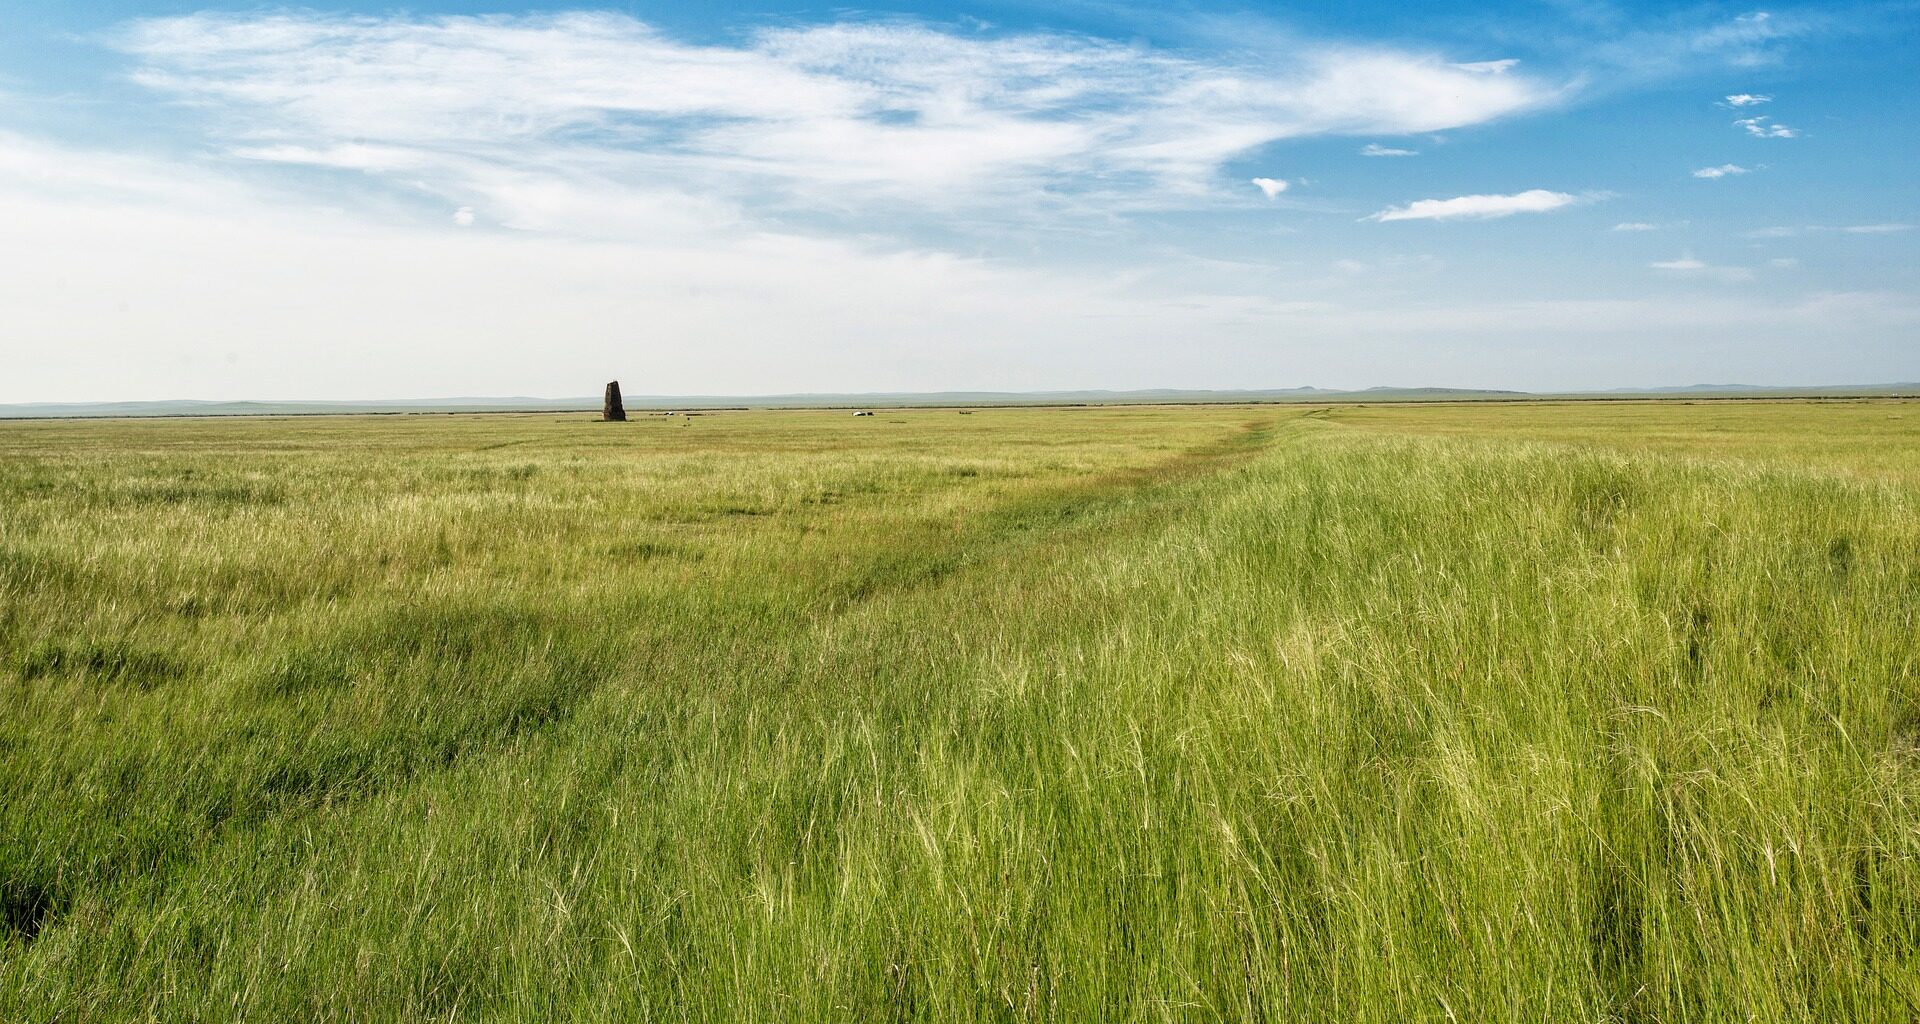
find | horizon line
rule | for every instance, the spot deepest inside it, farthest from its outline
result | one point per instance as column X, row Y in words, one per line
column 188, row 407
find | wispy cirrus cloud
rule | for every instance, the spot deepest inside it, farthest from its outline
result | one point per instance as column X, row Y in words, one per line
column 1783, row 231
column 1478, row 207
column 488, row 111
column 1747, row 99
column 1685, row 41
column 1376, row 149
column 1743, row 40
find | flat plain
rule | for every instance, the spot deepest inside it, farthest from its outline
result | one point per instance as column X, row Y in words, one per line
column 1528, row 712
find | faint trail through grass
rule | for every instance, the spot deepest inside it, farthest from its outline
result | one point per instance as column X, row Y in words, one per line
column 1188, row 714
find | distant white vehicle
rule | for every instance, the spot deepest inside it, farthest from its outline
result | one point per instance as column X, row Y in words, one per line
column 862, row 412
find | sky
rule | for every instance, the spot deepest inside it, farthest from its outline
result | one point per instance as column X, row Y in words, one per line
column 359, row 201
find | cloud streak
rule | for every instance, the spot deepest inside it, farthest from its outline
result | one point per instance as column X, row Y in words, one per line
column 1722, row 171
column 1478, row 207
column 1766, row 128
column 1783, row 231
column 1687, row 266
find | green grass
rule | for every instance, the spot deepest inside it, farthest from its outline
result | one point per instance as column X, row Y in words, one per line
column 1519, row 713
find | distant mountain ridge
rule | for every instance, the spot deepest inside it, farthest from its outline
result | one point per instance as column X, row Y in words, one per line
column 909, row 399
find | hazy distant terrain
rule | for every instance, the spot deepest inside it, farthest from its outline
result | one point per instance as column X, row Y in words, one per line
column 658, row 403
column 1475, row 712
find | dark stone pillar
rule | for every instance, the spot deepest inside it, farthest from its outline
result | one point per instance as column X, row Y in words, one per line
column 611, row 409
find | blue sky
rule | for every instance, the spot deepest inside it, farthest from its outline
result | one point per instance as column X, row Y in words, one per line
column 240, row 201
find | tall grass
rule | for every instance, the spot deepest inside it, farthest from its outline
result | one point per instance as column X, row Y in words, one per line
column 1066, row 715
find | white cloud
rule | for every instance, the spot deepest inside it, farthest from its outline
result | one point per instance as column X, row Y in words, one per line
column 1761, row 128
column 463, row 217
column 1537, row 200
column 1270, row 186
column 835, row 116
column 1747, row 99
column 1783, row 262
column 1690, row 267
column 1375, row 149
column 103, row 177
column 1636, row 226
column 1722, row 171
column 147, row 292
column 1876, row 229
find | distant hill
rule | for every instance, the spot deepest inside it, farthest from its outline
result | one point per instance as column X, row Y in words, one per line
column 188, row 407
column 905, row 399
column 1767, row 391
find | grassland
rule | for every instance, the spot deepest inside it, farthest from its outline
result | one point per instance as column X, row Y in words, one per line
column 1518, row 713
